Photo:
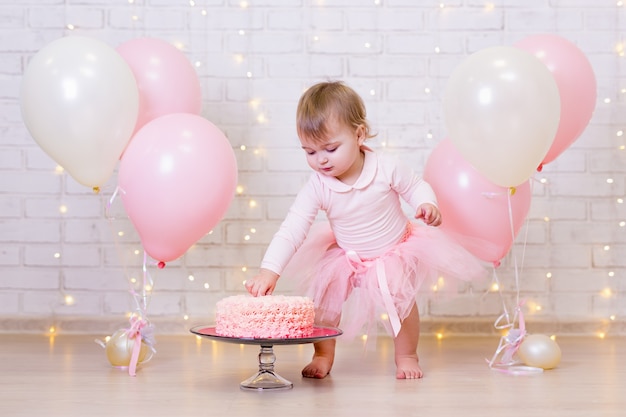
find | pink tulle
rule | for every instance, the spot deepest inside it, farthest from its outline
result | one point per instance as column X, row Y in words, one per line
column 349, row 295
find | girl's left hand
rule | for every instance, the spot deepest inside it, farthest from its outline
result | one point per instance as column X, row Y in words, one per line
column 429, row 213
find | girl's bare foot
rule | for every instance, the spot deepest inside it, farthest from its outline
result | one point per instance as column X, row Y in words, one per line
column 407, row 367
column 318, row 368
column 322, row 361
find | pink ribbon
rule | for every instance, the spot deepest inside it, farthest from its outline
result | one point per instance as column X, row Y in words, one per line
column 134, row 333
column 508, row 347
column 359, row 265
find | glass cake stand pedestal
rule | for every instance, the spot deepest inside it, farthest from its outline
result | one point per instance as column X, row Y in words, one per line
column 266, row 378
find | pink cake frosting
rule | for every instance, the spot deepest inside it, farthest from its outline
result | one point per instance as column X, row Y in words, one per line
column 268, row 317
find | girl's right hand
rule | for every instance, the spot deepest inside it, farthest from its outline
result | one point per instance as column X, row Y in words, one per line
column 263, row 283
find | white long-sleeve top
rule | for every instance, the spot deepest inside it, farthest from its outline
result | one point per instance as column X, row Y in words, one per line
column 365, row 217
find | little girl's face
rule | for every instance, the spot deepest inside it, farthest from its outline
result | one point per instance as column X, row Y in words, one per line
column 339, row 154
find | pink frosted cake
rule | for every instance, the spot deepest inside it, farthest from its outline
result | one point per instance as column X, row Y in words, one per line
column 268, row 317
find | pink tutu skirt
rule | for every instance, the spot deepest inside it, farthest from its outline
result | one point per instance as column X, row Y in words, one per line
column 357, row 294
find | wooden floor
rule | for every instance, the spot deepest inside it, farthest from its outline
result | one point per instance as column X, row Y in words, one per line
column 70, row 376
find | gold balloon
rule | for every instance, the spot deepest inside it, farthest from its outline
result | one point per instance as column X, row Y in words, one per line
column 119, row 349
column 539, row 351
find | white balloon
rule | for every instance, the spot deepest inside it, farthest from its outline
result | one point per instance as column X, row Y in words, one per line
column 501, row 108
column 80, row 102
column 540, row 351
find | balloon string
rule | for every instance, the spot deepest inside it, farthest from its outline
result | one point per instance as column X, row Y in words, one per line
column 502, row 359
column 512, row 229
column 140, row 330
column 107, row 210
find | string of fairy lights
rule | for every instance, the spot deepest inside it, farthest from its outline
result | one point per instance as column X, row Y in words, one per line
column 257, row 116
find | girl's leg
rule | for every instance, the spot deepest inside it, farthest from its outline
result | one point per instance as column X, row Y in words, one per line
column 407, row 361
column 324, row 355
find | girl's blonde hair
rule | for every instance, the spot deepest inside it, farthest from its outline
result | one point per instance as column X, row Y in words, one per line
column 327, row 100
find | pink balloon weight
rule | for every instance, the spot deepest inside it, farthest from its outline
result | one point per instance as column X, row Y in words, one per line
column 177, row 179
column 475, row 210
column 576, row 82
column 167, row 81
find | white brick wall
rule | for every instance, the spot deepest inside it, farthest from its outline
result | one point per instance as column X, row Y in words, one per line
column 287, row 45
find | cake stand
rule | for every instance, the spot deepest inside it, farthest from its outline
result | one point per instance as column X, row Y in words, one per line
column 266, row 378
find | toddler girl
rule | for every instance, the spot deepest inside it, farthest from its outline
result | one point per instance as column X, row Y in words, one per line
column 372, row 253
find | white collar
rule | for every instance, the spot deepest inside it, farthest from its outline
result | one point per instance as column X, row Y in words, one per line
column 370, row 165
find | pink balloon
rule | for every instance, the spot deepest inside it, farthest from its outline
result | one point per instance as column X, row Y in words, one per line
column 177, row 179
column 576, row 82
column 475, row 210
column 167, row 81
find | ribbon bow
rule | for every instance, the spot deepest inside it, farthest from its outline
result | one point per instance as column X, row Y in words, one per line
column 140, row 331
column 509, row 346
column 359, row 265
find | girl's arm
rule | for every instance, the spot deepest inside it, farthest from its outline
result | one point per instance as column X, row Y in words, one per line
column 287, row 240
